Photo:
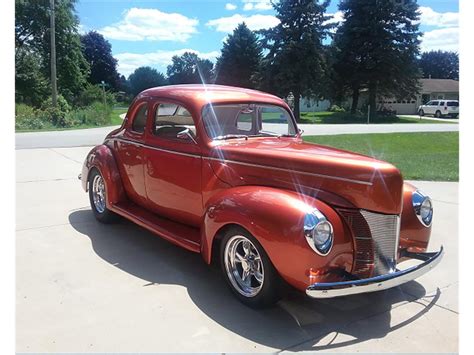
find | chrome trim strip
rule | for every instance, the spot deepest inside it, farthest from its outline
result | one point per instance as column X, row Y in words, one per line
column 155, row 148
column 368, row 183
column 289, row 171
column 377, row 283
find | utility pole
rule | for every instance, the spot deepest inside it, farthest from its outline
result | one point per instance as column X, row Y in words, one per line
column 103, row 91
column 54, row 86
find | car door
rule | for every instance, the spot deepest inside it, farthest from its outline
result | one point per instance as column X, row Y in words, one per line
column 173, row 164
column 130, row 154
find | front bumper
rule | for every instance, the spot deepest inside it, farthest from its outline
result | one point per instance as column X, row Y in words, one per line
column 377, row 283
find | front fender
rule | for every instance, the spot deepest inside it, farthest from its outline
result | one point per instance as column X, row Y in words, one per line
column 275, row 218
column 101, row 158
column 414, row 236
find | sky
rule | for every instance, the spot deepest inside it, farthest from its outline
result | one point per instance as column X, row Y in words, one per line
column 150, row 33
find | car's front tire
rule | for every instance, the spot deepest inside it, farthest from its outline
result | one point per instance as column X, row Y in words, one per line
column 248, row 270
column 421, row 113
column 98, row 198
column 438, row 114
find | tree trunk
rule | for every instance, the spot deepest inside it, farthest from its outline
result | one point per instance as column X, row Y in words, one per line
column 296, row 109
column 372, row 99
column 355, row 100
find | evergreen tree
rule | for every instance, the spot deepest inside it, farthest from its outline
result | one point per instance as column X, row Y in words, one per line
column 240, row 59
column 440, row 65
column 189, row 69
column 378, row 44
column 144, row 78
column 295, row 62
column 32, row 34
column 98, row 53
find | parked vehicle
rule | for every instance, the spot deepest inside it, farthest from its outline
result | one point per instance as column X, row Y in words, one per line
column 440, row 108
column 224, row 172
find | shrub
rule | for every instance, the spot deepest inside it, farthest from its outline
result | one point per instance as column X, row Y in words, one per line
column 57, row 115
column 336, row 108
column 95, row 114
column 26, row 118
column 94, row 93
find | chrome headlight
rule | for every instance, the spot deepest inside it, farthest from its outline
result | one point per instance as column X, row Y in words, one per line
column 423, row 207
column 318, row 232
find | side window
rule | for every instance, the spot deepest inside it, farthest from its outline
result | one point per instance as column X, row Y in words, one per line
column 441, row 103
column 139, row 121
column 434, row 103
column 170, row 119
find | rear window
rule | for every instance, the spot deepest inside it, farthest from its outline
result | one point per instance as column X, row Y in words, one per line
column 453, row 103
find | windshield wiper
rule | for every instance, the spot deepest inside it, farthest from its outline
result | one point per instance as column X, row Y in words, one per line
column 231, row 136
column 273, row 134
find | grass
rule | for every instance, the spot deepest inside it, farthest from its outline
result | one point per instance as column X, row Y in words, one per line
column 115, row 120
column 430, row 156
column 326, row 117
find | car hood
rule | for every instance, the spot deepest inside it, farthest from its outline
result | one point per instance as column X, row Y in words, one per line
column 337, row 176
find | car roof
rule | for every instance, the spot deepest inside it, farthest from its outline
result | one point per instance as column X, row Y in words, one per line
column 200, row 94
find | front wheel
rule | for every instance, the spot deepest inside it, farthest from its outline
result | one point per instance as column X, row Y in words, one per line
column 421, row 113
column 98, row 198
column 248, row 270
column 438, row 114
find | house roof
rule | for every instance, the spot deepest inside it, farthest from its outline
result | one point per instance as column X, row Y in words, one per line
column 439, row 85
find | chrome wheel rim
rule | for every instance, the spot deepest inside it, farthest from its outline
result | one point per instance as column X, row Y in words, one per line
column 98, row 193
column 244, row 266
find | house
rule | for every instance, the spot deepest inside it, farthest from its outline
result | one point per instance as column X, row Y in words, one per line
column 431, row 89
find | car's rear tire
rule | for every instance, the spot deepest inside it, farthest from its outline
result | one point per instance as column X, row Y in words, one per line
column 98, row 198
column 249, row 272
column 421, row 113
column 438, row 114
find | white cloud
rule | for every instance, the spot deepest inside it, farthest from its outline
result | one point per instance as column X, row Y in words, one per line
column 257, row 5
column 446, row 39
column 337, row 17
column 230, row 6
column 254, row 22
column 151, row 24
column 128, row 62
column 429, row 17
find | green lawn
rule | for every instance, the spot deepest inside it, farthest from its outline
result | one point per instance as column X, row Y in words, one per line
column 430, row 156
column 327, row 117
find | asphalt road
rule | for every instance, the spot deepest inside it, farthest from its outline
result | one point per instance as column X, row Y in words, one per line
column 86, row 287
column 94, row 136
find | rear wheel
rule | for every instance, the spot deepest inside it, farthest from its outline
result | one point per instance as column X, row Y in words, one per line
column 438, row 114
column 248, row 270
column 98, row 198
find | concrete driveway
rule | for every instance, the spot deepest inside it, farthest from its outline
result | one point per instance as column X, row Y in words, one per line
column 86, row 287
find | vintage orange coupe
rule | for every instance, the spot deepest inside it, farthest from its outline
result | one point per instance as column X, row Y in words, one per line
column 224, row 172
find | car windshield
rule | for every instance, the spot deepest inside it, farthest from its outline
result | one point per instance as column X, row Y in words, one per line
column 247, row 120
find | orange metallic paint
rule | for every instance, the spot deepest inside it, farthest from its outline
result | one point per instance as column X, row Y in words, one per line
column 188, row 192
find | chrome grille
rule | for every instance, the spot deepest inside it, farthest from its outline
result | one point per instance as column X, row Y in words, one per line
column 384, row 230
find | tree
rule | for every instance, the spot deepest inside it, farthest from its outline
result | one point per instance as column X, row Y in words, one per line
column 295, row 61
column 440, row 65
column 189, row 69
column 31, row 86
column 240, row 59
column 98, row 53
column 32, row 34
column 144, row 78
column 378, row 44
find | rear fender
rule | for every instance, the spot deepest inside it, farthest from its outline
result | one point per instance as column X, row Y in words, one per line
column 101, row 158
column 275, row 217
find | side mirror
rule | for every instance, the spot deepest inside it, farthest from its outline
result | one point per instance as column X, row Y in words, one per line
column 186, row 135
column 300, row 133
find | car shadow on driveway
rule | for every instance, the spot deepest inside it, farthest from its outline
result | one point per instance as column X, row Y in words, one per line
column 297, row 322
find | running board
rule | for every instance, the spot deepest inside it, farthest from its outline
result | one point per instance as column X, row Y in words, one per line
column 176, row 233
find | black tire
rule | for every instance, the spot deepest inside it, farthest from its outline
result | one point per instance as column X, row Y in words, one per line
column 438, row 114
column 421, row 113
column 271, row 288
column 105, row 215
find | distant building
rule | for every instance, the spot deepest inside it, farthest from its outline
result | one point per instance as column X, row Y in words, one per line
column 431, row 89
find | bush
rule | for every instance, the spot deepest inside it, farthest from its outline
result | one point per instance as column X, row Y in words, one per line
column 92, row 94
column 336, row 108
column 96, row 114
column 57, row 115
